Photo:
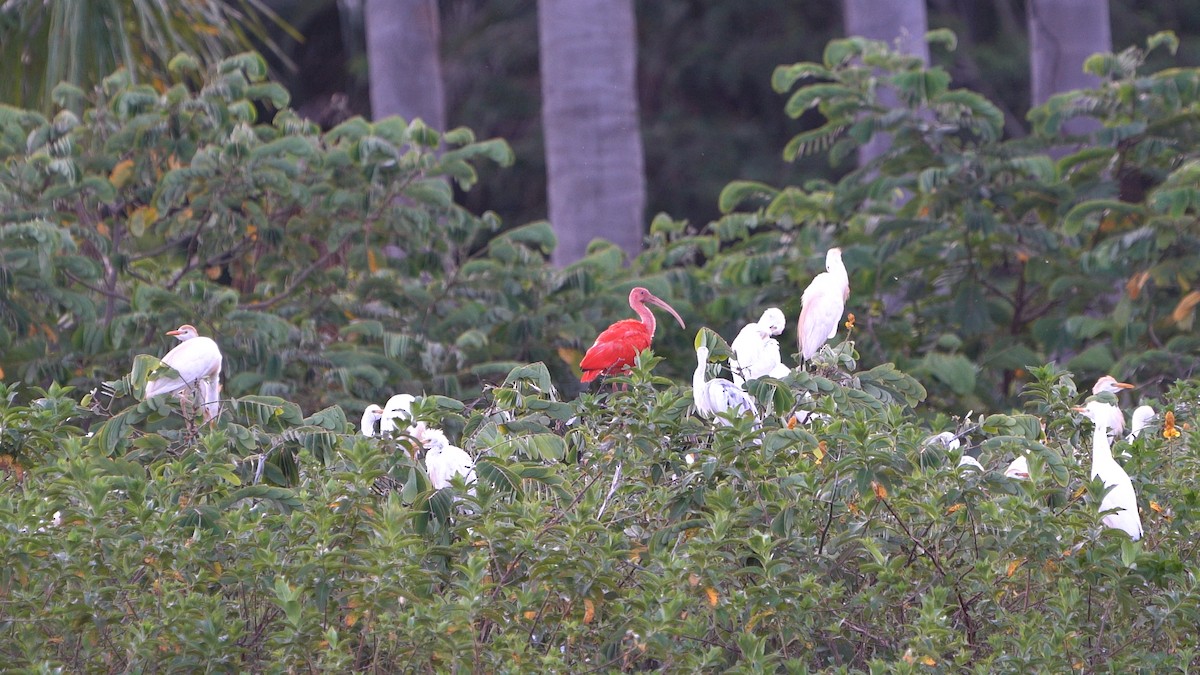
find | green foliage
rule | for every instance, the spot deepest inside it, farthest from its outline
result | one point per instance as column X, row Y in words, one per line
column 615, row 530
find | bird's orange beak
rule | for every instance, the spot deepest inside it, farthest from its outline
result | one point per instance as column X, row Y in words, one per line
column 1124, row 385
column 1078, row 408
column 662, row 303
column 173, row 332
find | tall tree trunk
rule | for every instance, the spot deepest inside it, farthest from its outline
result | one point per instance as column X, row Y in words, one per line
column 403, row 62
column 900, row 23
column 595, row 169
column 1062, row 35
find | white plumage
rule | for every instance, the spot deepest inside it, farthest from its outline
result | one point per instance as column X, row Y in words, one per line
column 714, row 397
column 1120, row 498
column 369, row 426
column 196, row 361
column 1018, row 469
column 1141, row 419
column 443, row 461
column 397, row 410
column 756, row 351
column 822, row 305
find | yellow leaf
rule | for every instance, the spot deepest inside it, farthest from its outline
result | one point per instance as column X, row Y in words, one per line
column 1155, row 507
column 761, row 615
column 880, row 491
column 1014, row 565
column 217, row 567
column 713, row 596
column 530, row 615
column 1185, row 307
column 1082, row 489
column 955, row 509
column 121, row 173
column 589, row 610
column 819, row 453
column 351, row 619
column 792, row 422
column 928, row 660
column 1134, row 286
column 372, row 263
column 141, row 218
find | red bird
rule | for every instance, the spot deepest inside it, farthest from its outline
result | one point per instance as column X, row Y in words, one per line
column 618, row 346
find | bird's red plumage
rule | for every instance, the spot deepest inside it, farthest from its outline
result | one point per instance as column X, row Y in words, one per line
column 615, row 349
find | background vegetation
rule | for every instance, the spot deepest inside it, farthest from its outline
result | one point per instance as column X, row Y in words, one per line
column 611, row 529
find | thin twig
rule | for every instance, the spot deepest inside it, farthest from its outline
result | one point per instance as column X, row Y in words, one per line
column 612, row 488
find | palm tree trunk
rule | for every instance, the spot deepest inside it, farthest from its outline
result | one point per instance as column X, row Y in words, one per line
column 594, row 164
column 404, row 65
column 900, row 23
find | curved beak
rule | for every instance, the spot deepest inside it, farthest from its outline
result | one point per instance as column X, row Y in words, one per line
column 661, row 303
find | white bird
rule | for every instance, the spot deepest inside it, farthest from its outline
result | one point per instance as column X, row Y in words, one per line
column 1140, row 420
column 755, row 349
column 369, row 426
column 444, row 461
column 1018, row 469
column 718, row 396
column 1108, row 384
column 196, row 361
column 822, row 305
column 1120, row 498
column 397, row 408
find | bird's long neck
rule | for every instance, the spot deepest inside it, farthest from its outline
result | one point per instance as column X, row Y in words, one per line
column 645, row 315
column 1101, row 449
column 698, row 376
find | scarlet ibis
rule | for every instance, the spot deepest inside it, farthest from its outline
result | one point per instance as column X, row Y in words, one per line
column 369, row 426
column 444, row 461
column 718, row 396
column 618, row 346
column 1120, row 497
column 822, row 305
column 755, row 349
column 196, row 361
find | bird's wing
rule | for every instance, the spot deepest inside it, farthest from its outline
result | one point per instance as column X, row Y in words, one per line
column 727, row 396
column 819, row 316
column 617, row 346
column 1122, row 498
column 193, row 360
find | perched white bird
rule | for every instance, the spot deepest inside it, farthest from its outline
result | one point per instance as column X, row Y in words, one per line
column 1108, row 384
column 822, row 305
column 443, row 461
column 1120, row 498
column 196, row 361
column 950, row 440
column 370, row 420
column 718, row 396
column 397, row 409
column 1141, row 419
column 1018, row 469
column 755, row 349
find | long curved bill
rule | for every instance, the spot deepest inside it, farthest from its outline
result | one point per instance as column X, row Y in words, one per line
column 662, row 303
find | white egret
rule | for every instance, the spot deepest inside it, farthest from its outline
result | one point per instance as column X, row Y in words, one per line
column 822, row 305
column 397, row 409
column 1140, row 420
column 1018, row 469
column 444, row 461
column 369, row 426
column 718, row 396
column 196, row 361
column 1120, row 497
column 1108, row 384
column 755, row 349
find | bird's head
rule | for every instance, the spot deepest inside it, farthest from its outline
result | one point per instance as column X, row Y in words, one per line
column 373, row 411
column 640, row 297
column 833, row 259
column 773, row 320
column 1094, row 410
column 400, row 403
column 185, row 332
column 435, row 439
column 1109, row 384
